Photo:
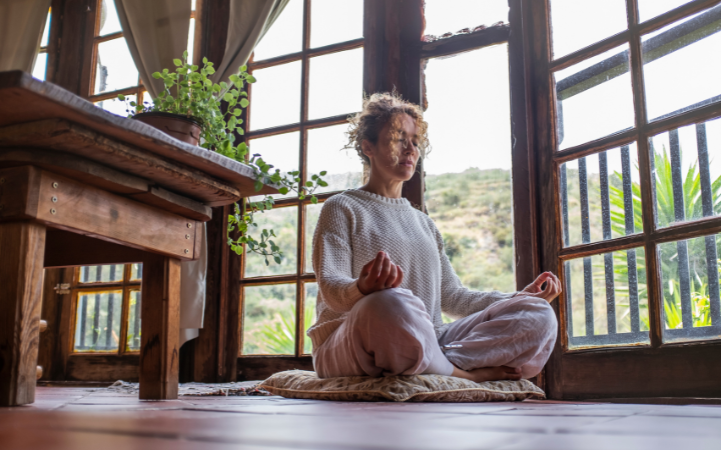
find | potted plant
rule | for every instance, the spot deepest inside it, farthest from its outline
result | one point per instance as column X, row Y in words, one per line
column 191, row 99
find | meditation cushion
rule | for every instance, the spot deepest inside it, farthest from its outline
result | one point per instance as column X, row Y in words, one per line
column 416, row 388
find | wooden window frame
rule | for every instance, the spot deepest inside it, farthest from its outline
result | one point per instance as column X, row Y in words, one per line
column 577, row 372
column 300, row 277
column 126, row 285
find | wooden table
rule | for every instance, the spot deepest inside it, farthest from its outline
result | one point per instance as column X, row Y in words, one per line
column 81, row 186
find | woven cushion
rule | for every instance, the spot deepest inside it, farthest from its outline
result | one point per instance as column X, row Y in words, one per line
column 415, row 388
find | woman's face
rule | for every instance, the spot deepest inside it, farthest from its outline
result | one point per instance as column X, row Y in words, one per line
column 396, row 154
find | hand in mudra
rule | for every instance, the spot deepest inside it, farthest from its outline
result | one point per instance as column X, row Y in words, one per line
column 549, row 293
column 380, row 273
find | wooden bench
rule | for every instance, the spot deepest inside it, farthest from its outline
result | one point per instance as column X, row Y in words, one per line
column 81, row 186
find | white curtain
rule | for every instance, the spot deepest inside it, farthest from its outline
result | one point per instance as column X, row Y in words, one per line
column 21, row 29
column 156, row 32
column 248, row 22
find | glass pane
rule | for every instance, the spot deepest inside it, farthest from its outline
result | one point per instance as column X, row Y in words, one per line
column 133, row 341
column 311, row 298
column 285, row 35
column 275, row 98
column 269, row 320
column 40, row 67
column 333, row 21
column 101, row 274
column 690, row 282
column 601, row 196
column 191, row 39
column 680, row 65
column 312, row 212
column 578, row 24
column 607, row 297
column 115, row 67
column 116, row 106
column 109, row 22
column 97, row 324
column 284, row 222
column 46, row 32
column 468, row 179
column 326, row 153
column 687, row 168
column 594, row 98
column 648, row 9
column 136, row 271
column 441, row 19
column 282, row 151
column 336, row 84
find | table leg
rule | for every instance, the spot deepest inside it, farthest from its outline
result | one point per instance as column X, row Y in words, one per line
column 22, row 246
column 160, row 320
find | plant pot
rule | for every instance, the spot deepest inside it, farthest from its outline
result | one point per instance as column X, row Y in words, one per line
column 186, row 129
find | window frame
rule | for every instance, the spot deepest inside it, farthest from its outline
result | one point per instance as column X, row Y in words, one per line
column 301, row 275
column 636, row 361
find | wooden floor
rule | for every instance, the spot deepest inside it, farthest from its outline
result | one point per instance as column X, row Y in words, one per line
column 83, row 418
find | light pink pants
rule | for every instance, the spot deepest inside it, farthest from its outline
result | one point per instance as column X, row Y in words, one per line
column 389, row 333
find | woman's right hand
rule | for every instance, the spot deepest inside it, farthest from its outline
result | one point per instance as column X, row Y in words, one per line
column 380, row 273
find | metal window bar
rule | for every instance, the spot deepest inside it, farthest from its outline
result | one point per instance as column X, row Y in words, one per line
column 136, row 321
column 586, row 238
column 607, row 257
column 707, row 202
column 96, row 317
column 566, row 241
column 680, row 216
column 630, row 229
column 109, row 323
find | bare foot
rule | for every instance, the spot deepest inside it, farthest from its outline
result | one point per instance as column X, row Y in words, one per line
column 488, row 374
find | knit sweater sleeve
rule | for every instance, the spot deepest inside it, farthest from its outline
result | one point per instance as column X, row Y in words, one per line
column 457, row 300
column 332, row 258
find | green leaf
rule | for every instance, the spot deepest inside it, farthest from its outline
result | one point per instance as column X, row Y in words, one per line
column 237, row 112
column 227, row 97
column 258, row 185
column 177, row 62
column 121, row 97
column 156, row 75
column 251, row 79
column 323, row 173
column 244, row 102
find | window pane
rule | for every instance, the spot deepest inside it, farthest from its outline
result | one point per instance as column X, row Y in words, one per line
column 312, row 212
column 116, row 106
column 607, row 299
column 40, row 67
column 115, row 67
column 136, row 271
column 468, row 178
column 109, row 22
column 578, row 24
column 594, row 98
column 97, row 327
column 101, row 274
column 276, row 96
column 282, row 151
column 601, row 196
column 311, row 298
column 687, row 167
column 269, row 320
column 441, row 19
column 648, row 9
column 690, row 283
column 285, row 35
column 191, row 40
column 284, row 222
column 680, row 64
column 134, row 329
column 333, row 21
column 336, row 84
column 46, row 32
column 326, row 153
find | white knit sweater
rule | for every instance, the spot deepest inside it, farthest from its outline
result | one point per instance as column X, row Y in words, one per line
column 353, row 227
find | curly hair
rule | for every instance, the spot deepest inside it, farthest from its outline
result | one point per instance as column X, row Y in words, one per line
column 378, row 110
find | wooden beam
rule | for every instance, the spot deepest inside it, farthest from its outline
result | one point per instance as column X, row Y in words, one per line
column 160, row 312
column 66, row 204
column 21, row 270
column 261, row 367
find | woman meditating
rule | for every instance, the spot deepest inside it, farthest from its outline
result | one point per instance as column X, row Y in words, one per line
column 384, row 278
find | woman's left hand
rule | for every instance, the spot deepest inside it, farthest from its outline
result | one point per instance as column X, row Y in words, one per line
column 551, row 291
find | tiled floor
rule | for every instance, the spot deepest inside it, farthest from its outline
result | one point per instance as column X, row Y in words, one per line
column 96, row 419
